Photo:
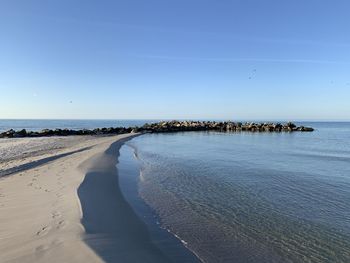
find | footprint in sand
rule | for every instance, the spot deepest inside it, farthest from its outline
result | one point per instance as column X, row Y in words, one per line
column 43, row 231
column 56, row 242
column 61, row 224
column 55, row 214
column 31, row 184
column 41, row 249
column 58, row 195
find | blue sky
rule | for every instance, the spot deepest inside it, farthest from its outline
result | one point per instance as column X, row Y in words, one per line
column 227, row 59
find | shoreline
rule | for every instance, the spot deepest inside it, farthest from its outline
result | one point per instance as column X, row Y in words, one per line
column 52, row 211
column 130, row 170
column 63, row 199
column 112, row 229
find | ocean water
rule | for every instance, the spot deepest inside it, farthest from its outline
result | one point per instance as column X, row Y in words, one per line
column 37, row 125
column 251, row 197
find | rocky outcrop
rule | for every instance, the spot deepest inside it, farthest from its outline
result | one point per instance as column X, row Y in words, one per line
column 166, row 126
column 174, row 126
column 63, row 132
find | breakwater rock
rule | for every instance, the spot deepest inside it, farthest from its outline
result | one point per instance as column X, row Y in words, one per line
column 63, row 132
column 175, row 126
column 166, row 126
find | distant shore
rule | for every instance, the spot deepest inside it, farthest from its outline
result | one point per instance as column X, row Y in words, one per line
column 165, row 126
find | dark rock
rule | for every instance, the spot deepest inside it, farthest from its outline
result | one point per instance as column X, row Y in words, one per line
column 21, row 133
column 307, row 129
column 9, row 133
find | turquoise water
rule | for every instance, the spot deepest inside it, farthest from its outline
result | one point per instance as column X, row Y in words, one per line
column 252, row 197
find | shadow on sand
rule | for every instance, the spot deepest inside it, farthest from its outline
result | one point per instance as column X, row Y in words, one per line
column 37, row 163
column 113, row 230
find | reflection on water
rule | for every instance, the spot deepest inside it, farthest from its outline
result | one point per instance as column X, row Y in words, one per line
column 252, row 197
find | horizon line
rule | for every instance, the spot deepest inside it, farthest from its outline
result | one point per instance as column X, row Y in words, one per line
column 180, row 119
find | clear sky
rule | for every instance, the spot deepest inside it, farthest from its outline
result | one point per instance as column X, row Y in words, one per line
column 220, row 59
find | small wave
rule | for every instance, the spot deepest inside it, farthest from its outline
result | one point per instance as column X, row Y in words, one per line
column 328, row 157
column 135, row 150
column 142, row 178
column 184, row 243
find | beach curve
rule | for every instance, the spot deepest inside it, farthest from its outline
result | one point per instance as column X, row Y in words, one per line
column 42, row 217
column 112, row 229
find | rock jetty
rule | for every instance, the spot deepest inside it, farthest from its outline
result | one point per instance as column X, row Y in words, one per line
column 176, row 126
column 63, row 132
column 167, row 126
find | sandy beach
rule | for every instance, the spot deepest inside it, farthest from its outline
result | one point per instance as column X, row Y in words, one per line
column 60, row 202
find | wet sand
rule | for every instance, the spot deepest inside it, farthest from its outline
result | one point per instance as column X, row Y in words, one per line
column 113, row 230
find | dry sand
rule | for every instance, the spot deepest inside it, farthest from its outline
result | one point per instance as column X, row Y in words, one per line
column 42, row 218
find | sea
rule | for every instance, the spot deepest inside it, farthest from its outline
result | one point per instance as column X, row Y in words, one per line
column 40, row 124
column 249, row 197
column 237, row 196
